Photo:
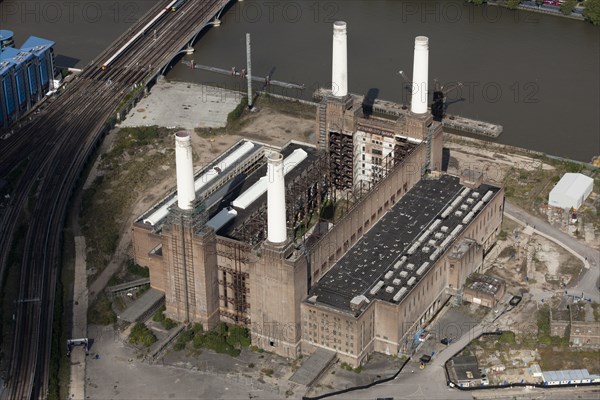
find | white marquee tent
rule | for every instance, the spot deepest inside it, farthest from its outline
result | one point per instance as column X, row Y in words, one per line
column 571, row 191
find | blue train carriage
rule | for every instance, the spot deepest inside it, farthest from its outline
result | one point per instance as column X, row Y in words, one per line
column 41, row 71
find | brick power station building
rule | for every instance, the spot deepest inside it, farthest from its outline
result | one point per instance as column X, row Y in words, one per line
column 231, row 244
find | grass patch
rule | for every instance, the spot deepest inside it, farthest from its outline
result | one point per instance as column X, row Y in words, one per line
column 572, row 266
column 596, row 308
column 508, row 251
column 348, row 367
column 287, row 107
column 128, row 169
column 238, row 111
column 137, row 270
column 101, row 312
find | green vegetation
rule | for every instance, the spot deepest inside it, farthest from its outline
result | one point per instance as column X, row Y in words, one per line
column 140, row 334
column 502, row 235
column 507, row 338
column 348, row 367
column 138, row 270
column 513, row 4
column 227, row 339
column 288, row 107
column 128, row 169
column 476, row 2
column 238, row 111
column 529, row 187
column 267, row 371
column 596, row 308
column 591, row 12
column 568, row 6
column 101, row 312
column 508, row 251
column 166, row 323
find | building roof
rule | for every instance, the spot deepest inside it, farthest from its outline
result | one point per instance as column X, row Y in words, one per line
column 204, row 179
column 6, row 34
column 485, row 283
column 465, row 368
column 567, row 375
column 15, row 56
column 571, row 185
column 389, row 260
column 37, row 45
column 302, row 153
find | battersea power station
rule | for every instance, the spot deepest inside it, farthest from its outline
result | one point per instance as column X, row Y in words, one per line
column 241, row 241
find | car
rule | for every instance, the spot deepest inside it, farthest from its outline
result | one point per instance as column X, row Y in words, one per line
column 425, row 358
column 446, row 341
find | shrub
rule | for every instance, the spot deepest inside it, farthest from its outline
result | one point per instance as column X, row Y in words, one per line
column 138, row 270
column 238, row 111
column 140, row 334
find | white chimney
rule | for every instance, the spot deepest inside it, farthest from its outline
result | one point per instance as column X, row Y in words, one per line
column 420, row 75
column 339, row 69
column 185, row 170
column 276, row 221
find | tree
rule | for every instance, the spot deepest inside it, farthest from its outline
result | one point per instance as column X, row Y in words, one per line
column 513, row 4
column 568, row 6
column 592, row 11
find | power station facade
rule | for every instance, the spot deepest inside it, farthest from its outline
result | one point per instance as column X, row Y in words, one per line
column 241, row 241
column 26, row 75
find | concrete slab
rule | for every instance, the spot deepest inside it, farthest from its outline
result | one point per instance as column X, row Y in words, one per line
column 143, row 305
column 313, row 367
column 80, row 306
column 183, row 105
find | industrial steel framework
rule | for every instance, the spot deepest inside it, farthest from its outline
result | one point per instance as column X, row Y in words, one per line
column 304, row 196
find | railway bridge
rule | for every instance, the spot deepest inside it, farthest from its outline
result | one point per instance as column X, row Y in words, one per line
column 42, row 161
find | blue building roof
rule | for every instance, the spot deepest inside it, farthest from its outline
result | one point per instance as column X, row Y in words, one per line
column 37, row 45
column 17, row 57
column 6, row 34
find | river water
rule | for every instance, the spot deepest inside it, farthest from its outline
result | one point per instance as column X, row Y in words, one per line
column 537, row 75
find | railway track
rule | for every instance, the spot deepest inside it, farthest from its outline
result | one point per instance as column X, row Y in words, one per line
column 58, row 141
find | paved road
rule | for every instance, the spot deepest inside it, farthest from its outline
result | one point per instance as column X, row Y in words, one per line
column 588, row 282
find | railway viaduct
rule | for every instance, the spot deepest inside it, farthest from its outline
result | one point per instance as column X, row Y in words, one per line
column 44, row 157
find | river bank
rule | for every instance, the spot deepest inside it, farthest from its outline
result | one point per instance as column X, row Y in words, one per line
column 543, row 9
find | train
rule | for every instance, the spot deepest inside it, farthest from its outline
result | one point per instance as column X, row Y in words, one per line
column 176, row 6
column 172, row 6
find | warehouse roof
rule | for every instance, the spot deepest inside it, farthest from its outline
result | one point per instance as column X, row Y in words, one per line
column 396, row 253
column 567, row 375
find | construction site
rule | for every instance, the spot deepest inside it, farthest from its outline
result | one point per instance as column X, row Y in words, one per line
column 242, row 239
